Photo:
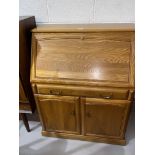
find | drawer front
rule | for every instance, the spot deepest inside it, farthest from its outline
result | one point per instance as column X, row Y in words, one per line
column 83, row 91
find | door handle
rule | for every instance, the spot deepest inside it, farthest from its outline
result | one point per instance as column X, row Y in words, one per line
column 107, row 97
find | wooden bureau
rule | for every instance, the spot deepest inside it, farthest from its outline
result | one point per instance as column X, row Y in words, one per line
column 82, row 77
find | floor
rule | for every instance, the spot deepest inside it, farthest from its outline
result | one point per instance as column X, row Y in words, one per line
column 33, row 143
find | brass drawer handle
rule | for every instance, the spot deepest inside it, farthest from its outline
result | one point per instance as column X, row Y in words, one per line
column 107, row 97
column 55, row 92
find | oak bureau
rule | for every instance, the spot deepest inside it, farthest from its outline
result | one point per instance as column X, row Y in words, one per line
column 82, row 77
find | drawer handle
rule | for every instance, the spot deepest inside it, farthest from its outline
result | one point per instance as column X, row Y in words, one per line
column 55, row 92
column 107, row 97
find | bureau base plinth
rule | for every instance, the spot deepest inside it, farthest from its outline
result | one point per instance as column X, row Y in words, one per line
column 116, row 141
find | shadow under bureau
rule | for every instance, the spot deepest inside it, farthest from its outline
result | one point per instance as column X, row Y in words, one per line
column 82, row 77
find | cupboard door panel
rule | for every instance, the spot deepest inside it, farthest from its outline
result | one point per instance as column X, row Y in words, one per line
column 60, row 114
column 104, row 118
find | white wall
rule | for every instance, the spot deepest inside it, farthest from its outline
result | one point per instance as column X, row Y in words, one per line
column 79, row 11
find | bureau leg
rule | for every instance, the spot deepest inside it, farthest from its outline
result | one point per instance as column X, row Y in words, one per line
column 25, row 121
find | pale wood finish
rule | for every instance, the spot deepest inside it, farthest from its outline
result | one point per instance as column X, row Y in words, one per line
column 83, row 59
column 86, row 71
column 60, row 114
column 81, row 137
column 84, row 27
column 82, row 91
column 107, row 114
column 89, row 58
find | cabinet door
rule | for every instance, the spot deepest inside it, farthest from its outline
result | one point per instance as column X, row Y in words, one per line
column 59, row 114
column 104, row 118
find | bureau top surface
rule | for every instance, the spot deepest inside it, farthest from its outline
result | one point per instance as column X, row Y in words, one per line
column 97, row 58
column 84, row 27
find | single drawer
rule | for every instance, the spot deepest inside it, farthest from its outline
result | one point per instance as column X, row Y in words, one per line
column 105, row 93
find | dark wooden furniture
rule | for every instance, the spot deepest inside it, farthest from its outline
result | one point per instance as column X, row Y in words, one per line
column 26, row 98
column 82, row 77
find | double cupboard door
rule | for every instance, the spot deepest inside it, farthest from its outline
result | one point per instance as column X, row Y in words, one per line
column 83, row 116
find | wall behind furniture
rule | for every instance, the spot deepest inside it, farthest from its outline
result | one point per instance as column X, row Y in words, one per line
column 79, row 11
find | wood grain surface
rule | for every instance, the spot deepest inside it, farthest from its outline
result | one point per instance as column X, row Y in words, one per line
column 101, row 57
column 107, row 114
column 84, row 27
column 60, row 114
column 82, row 77
column 96, row 92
